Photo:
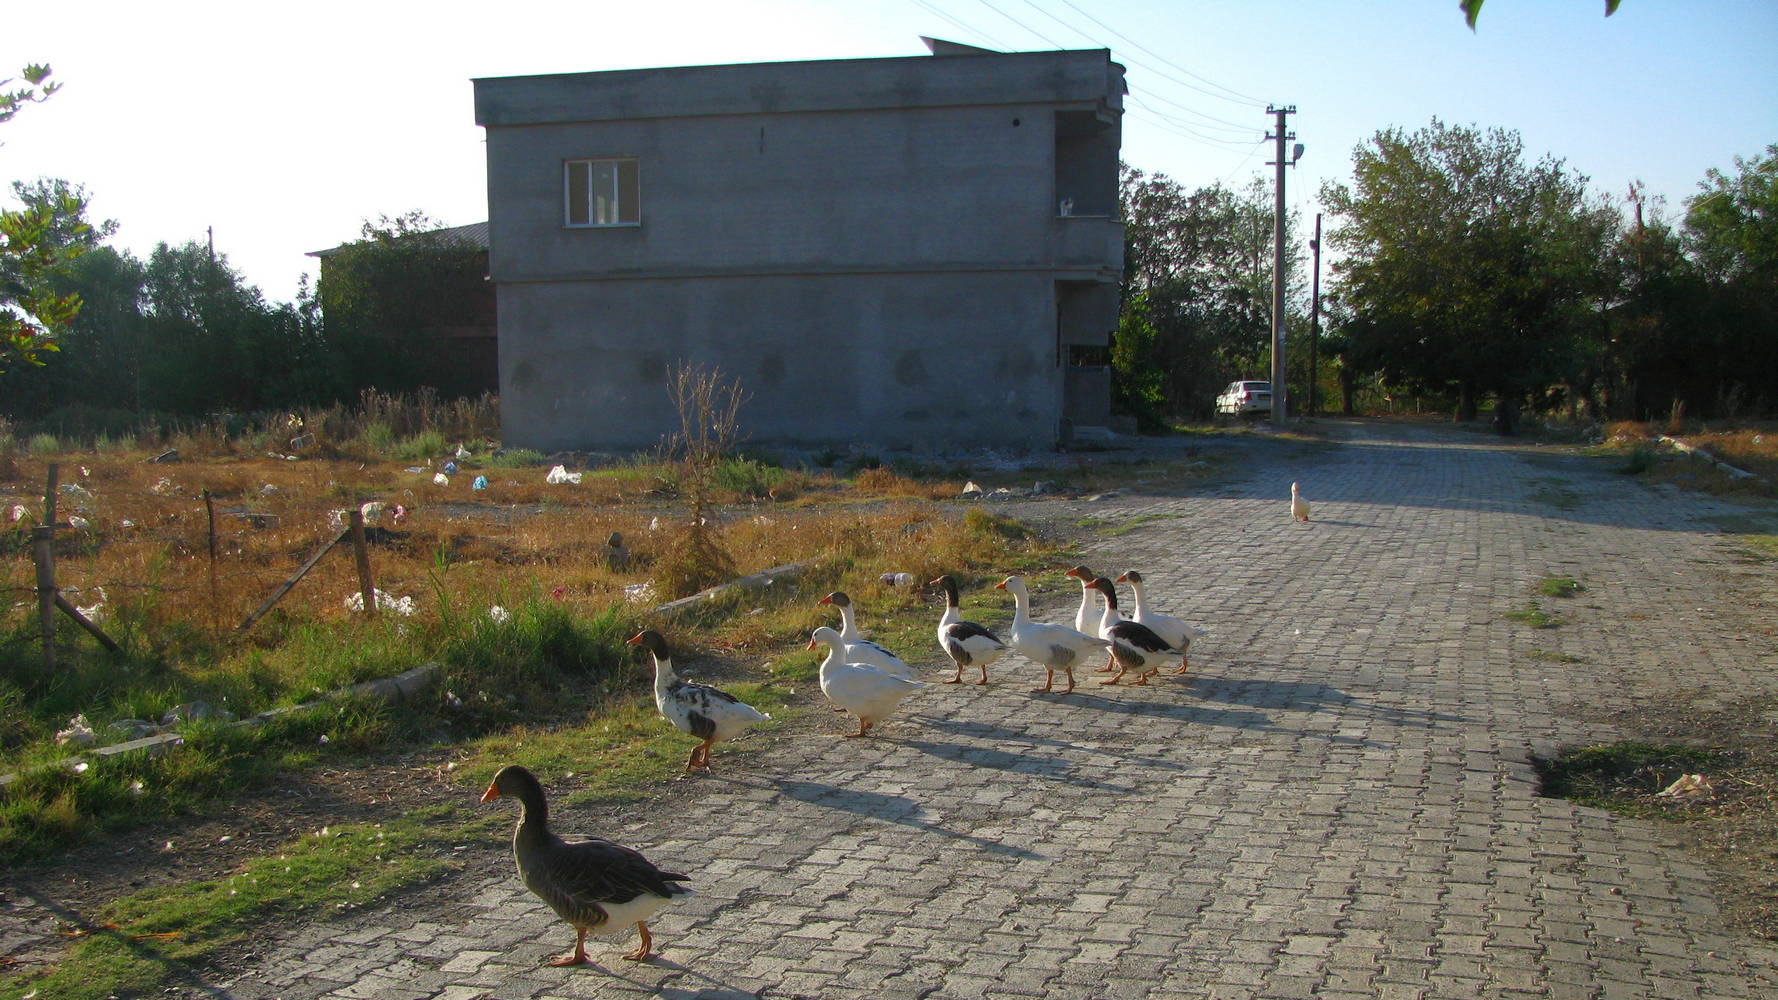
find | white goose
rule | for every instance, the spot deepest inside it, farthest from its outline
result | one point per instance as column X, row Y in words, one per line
column 965, row 642
column 1299, row 508
column 1178, row 634
column 859, row 688
column 698, row 709
column 1055, row 647
column 858, row 648
column 1134, row 645
column 1086, row 618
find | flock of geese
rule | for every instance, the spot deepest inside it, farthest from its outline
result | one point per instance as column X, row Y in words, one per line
column 600, row 887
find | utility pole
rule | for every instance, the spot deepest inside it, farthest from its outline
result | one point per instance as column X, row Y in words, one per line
column 1280, row 411
column 1315, row 316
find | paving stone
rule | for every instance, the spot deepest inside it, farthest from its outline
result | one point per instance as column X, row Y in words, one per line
column 1336, row 801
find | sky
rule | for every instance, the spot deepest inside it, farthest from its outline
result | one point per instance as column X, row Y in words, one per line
column 282, row 128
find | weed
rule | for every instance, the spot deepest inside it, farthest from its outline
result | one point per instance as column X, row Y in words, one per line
column 1131, row 524
column 428, row 443
column 44, row 444
column 1534, row 616
column 1639, row 460
column 516, row 458
column 1559, row 586
column 986, row 524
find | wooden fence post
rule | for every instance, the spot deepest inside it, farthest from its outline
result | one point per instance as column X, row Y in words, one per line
column 284, row 588
column 210, row 510
column 43, row 553
column 361, row 553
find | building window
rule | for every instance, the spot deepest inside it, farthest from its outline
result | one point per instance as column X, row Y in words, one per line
column 602, row 192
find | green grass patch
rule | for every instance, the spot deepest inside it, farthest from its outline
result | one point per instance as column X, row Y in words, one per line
column 1559, row 586
column 142, row 941
column 1534, row 616
column 516, row 458
column 1624, row 777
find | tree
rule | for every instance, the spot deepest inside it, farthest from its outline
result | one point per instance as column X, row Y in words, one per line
column 386, row 298
column 1196, row 295
column 1466, row 268
column 36, row 242
column 1472, row 9
column 1732, row 223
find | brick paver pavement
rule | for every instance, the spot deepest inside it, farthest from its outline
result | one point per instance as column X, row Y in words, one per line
column 1337, row 803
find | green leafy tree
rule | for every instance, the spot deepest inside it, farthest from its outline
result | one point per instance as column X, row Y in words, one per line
column 386, row 299
column 1466, row 268
column 1732, row 223
column 1197, row 293
column 1472, row 9
column 36, row 242
column 37, row 89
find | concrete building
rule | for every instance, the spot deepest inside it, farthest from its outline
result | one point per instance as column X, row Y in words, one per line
column 906, row 251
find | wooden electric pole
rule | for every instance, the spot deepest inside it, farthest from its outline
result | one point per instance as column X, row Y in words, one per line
column 1280, row 411
column 1315, row 316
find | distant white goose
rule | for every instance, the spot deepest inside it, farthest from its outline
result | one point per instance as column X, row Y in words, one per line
column 699, row 709
column 1134, row 645
column 1299, row 508
column 965, row 642
column 1054, row 647
column 858, row 648
column 1178, row 634
column 859, row 688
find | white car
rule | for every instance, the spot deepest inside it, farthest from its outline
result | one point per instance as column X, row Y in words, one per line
column 1242, row 398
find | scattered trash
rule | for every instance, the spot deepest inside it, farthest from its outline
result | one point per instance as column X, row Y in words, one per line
column 132, row 729
column 302, row 442
column 450, row 468
column 136, row 789
column 559, row 592
column 1691, row 786
column 267, row 490
column 17, row 513
column 462, row 452
column 1000, row 494
column 77, row 491
column 481, row 483
column 970, row 491
column 654, row 524
column 79, row 523
column 322, row 740
column 78, row 732
column 280, row 456
column 379, row 511
column 897, row 579
column 499, row 615
column 440, row 479
column 415, row 469
column 639, row 593
column 81, row 768
column 560, row 474
column 171, row 455
column 163, row 486
column 95, row 610
column 403, row 606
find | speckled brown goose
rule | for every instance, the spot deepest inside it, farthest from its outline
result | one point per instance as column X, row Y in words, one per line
column 597, row 886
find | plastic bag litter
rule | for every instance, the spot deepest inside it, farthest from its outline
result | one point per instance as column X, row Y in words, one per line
column 78, row 732
column 450, row 468
column 560, row 474
column 403, row 606
column 440, row 479
column 481, row 483
column 79, row 523
column 499, row 615
column 462, row 452
column 897, row 579
column 1690, row 786
column 18, row 513
column 639, row 593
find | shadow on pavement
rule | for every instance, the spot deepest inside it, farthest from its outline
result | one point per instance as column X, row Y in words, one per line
column 894, row 808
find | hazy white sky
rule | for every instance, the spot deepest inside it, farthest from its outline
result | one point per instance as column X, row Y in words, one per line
column 284, row 127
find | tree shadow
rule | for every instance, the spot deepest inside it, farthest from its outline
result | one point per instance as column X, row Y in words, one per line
column 1049, row 768
column 893, row 808
column 1296, row 696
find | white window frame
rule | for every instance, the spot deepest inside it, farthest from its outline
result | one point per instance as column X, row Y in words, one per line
column 628, row 208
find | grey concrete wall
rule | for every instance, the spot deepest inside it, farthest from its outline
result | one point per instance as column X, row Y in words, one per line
column 915, row 359
column 926, row 188
column 870, row 246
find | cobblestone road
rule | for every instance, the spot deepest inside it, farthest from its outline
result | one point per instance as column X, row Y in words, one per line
column 1337, row 803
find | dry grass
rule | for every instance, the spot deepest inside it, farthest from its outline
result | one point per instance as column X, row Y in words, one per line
column 1749, row 446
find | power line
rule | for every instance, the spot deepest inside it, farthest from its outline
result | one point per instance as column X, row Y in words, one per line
column 1052, row 42
column 977, row 32
column 1239, row 98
